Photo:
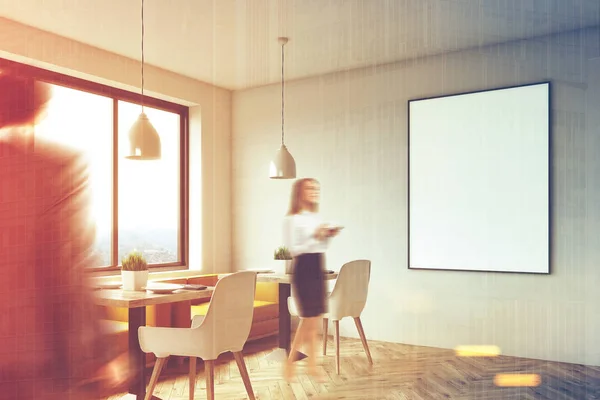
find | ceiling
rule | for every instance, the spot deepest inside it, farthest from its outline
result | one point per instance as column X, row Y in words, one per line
column 233, row 43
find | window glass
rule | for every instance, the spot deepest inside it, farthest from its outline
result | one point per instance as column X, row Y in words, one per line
column 149, row 190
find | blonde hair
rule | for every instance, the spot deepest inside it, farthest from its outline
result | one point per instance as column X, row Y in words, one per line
column 296, row 203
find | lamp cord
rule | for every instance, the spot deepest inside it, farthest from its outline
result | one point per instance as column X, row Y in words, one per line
column 282, row 93
column 142, row 96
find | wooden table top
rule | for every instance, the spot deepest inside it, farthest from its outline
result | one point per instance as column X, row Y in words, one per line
column 129, row 299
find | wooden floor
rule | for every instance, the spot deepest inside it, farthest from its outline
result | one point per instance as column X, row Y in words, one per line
column 399, row 372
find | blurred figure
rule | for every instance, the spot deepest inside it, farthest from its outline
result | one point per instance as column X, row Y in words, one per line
column 307, row 238
column 50, row 346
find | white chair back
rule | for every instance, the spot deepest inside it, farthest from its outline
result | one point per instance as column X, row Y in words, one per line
column 230, row 312
column 225, row 328
column 349, row 294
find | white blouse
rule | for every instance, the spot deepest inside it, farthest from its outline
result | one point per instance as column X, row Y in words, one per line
column 299, row 231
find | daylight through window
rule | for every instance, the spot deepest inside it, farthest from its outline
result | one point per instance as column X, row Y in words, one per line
column 147, row 194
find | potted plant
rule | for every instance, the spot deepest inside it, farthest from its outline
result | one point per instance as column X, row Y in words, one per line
column 134, row 271
column 284, row 260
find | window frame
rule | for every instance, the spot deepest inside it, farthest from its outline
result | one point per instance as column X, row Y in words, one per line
column 56, row 78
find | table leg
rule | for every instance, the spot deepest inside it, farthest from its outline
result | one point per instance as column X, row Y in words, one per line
column 285, row 320
column 137, row 358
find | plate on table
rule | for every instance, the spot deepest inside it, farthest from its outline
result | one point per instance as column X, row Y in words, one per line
column 162, row 288
column 109, row 285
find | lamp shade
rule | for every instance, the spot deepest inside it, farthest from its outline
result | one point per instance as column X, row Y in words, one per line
column 283, row 165
column 144, row 141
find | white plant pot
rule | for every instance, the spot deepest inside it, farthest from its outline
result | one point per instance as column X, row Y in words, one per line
column 282, row 267
column 134, row 280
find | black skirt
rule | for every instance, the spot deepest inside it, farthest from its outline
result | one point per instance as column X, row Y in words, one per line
column 308, row 283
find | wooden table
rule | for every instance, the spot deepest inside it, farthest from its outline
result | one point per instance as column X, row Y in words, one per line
column 285, row 319
column 136, row 303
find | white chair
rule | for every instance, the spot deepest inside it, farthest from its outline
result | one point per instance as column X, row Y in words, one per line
column 347, row 299
column 225, row 327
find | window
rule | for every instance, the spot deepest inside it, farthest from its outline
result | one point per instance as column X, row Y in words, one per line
column 137, row 205
column 149, row 191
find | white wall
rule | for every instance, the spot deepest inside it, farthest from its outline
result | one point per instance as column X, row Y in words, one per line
column 210, row 125
column 349, row 130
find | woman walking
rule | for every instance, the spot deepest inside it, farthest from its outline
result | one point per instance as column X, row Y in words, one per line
column 307, row 238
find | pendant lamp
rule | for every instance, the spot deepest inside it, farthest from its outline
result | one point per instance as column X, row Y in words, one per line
column 282, row 165
column 144, row 142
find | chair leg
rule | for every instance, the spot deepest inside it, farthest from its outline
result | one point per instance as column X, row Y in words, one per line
column 192, row 377
column 363, row 338
column 325, row 326
column 158, row 366
column 239, row 359
column 209, row 371
column 336, row 324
